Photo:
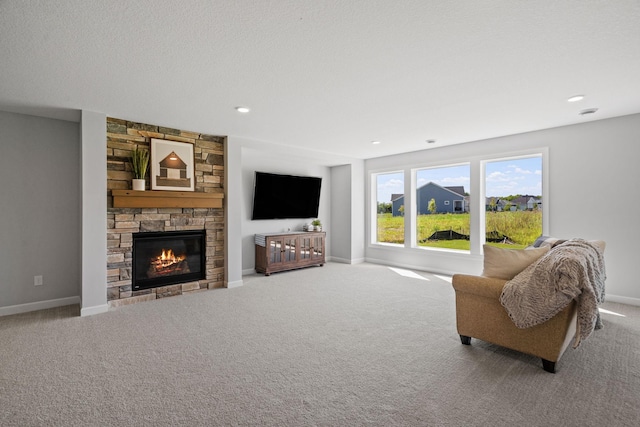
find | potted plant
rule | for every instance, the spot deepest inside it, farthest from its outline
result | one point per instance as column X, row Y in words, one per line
column 317, row 225
column 139, row 165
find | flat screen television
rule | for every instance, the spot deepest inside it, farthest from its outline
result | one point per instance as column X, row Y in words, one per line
column 285, row 196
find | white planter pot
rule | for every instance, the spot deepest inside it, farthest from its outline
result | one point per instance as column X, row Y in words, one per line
column 138, row 184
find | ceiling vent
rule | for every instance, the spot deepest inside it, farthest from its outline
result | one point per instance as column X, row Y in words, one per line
column 588, row 111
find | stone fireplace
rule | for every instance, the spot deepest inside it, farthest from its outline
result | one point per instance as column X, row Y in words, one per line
column 127, row 225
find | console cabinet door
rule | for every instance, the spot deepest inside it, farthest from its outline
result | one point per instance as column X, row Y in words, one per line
column 305, row 248
column 274, row 250
column 317, row 248
column 290, row 253
column 312, row 248
column 282, row 250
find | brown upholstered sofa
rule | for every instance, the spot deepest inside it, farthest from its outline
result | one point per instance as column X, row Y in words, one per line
column 479, row 314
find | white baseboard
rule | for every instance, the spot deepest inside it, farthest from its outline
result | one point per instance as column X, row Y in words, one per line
column 234, row 284
column 96, row 309
column 40, row 305
column 345, row 260
column 622, row 300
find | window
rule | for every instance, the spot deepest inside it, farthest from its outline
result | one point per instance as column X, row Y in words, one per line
column 390, row 208
column 460, row 206
column 442, row 207
column 513, row 205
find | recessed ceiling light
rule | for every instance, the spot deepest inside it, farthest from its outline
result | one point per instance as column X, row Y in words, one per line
column 242, row 109
column 431, row 141
column 576, row 98
column 588, row 111
column 375, row 142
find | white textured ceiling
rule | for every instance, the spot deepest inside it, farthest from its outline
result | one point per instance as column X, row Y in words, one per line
column 325, row 75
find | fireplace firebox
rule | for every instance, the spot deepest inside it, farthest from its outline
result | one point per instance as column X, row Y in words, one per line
column 167, row 258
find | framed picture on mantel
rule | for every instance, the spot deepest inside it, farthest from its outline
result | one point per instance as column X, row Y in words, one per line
column 172, row 165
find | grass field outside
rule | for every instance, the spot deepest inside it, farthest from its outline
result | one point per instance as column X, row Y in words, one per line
column 521, row 227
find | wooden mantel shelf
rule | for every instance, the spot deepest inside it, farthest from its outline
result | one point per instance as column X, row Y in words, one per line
column 165, row 199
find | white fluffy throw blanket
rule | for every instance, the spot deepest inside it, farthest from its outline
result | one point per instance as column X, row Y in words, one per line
column 572, row 270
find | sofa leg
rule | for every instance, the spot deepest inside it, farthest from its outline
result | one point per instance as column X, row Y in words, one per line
column 465, row 339
column 549, row 366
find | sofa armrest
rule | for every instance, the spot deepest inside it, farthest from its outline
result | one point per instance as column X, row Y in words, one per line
column 487, row 287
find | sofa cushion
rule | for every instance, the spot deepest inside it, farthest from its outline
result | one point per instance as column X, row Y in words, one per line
column 505, row 264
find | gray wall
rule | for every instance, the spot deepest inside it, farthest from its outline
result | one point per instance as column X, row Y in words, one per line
column 357, row 218
column 347, row 212
column 39, row 209
column 341, row 208
column 244, row 156
column 284, row 163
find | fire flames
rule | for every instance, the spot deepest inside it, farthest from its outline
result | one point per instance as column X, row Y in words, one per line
column 167, row 258
column 167, row 264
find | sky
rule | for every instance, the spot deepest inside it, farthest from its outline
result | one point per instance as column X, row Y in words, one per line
column 503, row 178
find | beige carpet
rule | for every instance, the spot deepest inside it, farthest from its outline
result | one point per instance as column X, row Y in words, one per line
column 333, row 346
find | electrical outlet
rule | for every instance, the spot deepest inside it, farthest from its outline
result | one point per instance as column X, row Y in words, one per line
column 37, row 281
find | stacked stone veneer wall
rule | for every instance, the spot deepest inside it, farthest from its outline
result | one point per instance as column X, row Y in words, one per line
column 122, row 137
